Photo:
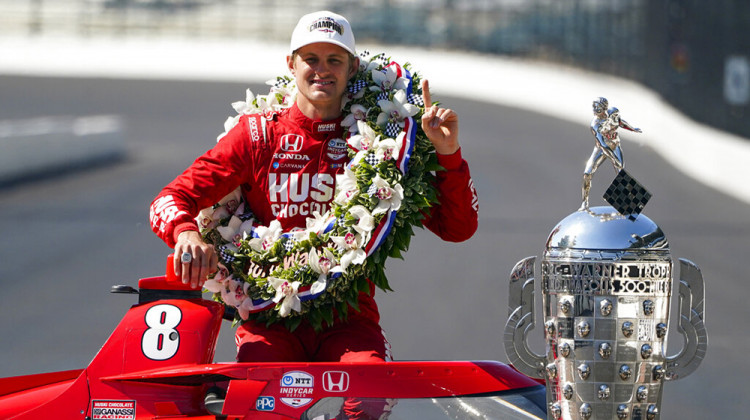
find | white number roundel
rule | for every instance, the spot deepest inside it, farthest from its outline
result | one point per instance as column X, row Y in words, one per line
column 161, row 340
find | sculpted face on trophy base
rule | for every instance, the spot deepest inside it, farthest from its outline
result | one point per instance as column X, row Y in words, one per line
column 607, row 278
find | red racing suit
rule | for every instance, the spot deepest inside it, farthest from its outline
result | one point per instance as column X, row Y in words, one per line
column 286, row 166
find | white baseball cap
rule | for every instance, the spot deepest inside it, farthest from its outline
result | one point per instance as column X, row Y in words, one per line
column 323, row 26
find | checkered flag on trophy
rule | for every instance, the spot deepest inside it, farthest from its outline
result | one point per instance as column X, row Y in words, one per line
column 626, row 195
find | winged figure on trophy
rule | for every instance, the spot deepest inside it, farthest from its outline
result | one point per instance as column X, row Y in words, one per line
column 607, row 281
column 604, row 127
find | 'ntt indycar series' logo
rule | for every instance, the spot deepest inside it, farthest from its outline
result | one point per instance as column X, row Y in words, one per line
column 296, row 388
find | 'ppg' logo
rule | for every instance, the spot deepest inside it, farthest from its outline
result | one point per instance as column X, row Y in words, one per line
column 291, row 143
column 335, row 381
column 265, row 404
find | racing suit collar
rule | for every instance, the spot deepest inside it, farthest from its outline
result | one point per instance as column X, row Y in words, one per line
column 317, row 129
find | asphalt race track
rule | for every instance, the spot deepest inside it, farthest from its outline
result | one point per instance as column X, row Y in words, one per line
column 67, row 239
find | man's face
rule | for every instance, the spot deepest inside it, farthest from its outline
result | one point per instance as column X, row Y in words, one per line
column 322, row 71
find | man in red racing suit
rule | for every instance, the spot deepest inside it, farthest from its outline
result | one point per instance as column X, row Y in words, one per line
column 285, row 164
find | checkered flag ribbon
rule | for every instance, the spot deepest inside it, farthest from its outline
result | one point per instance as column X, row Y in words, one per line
column 392, row 130
column 372, row 159
column 380, row 59
column 246, row 215
column 225, row 255
column 415, row 99
column 289, row 244
column 372, row 190
column 357, row 86
column 281, row 83
column 382, row 96
column 626, row 195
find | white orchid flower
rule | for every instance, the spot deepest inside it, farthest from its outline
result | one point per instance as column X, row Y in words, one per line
column 299, row 234
column 317, row 223
column 233, row 292
column 366, row 138
column 366, row 65
column 347, row 186
column 358, row 113
column 267, row 103
column 351, row 245
column 216, row 284
column 254, row 104
column 358, row 158
column 244, row 308
column 235, row 231
column 248, row 106
column 387, row 80
column 397, row 110
column 387, row 149
column 287, row 99
column 286, row 294
column 205, row 219
column 284, row 95
column 365, row 221
column 267, row 236
column 348, row 96
column 322, row 264
column 390, row 197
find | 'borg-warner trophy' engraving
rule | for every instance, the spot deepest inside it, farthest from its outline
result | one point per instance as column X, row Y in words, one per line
column 607, row 282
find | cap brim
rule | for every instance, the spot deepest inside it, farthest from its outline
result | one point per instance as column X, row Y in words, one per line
column 327, row 41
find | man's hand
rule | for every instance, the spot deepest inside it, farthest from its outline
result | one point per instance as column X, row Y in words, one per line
column 439, row 124
column 203, row 259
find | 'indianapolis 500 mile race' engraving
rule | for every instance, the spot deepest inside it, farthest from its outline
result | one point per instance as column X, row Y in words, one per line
column 607, row 277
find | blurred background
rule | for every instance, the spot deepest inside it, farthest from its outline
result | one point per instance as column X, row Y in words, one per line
column 103, row 102
column 693, row 53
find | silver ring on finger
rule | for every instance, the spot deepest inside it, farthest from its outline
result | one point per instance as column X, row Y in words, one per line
column 186, row 258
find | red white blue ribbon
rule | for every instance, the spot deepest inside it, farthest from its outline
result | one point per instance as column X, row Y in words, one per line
column 303, row 293
column 380, row 233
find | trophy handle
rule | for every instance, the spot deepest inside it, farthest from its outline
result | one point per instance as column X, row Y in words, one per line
column 521, row 320
column 691, row 323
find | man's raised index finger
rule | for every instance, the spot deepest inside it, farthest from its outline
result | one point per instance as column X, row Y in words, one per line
column 426, row 93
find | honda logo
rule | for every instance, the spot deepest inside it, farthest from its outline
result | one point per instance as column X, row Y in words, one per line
column 291, row 143
column 335, row 381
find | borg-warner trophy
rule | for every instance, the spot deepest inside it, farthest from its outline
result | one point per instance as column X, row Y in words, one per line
column 607, row 284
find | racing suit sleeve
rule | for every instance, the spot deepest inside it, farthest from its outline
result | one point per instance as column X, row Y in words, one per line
column 209, row 179
column 455, row 219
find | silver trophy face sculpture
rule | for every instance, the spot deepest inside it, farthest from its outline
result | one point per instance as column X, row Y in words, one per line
column 607, row 282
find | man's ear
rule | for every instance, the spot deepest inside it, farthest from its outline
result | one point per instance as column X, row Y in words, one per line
column 290, row 63
column 355, row 67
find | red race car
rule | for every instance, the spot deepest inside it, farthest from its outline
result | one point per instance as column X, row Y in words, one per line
column 158, row 364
